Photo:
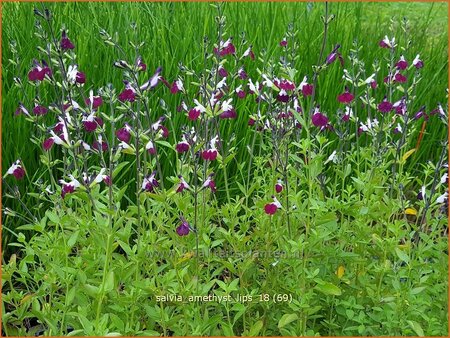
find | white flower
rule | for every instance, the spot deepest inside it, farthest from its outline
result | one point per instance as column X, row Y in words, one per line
column 442, row 198
column 72, row 71
column 331, row 158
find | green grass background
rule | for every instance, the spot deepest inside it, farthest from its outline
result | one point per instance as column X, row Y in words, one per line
column 173, row 32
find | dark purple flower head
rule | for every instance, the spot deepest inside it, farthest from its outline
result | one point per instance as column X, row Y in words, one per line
column 283, row 42
column 100, row 145
column 80, row 78
column 39, row 110
column 271, row 208
column 279, row 186
column 240, row 92
column 346, row 97
column 66, row 44
column 183, row 146
column 251, row 122
column 282, row 96
column 225, row 48
column 222, row 72
column 209, row 155
column 401, row 64
column 386, row 43
column 177, row 86
column 48, row 143
column 421, row 113
column 140, row 65
column 400, row 78
column 209, row 183
column 127, row 95
column 307, row 89
column 284, row 84
column 400, row 106
column 228, row 111
column 242, row 74
column 97, row 101
column 16, row 170
column 150, row 182
column 333, row 55
column 69, row 187
column 385, row 106
column 319, row 119
column 417, row 62
column 39, row 71
column 184, row 228
column 124, row 134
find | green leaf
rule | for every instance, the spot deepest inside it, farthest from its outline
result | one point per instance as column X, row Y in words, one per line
column 329, row 289
column 52, row 216
column 254, row 330
column 416, row 327
column 91, row 290
column 286, row 319
column 109, row 282
column 73, row 239
column 404, row 257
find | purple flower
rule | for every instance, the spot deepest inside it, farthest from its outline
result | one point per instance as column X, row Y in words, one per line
column 282, row 96
column 177, row 86
column 421, row 113
column 153, row 81
column 283, row 42
column 69, row 187
column 398, row 77
column 150, row 148
column 279, row 186
column 100, row 145
column 80, row 78
column 271, row 208
column 225, row 48
column 184, row 228
column 48, row 143
column 183, row 146
column 124, row 134
column 97, row 101
column 195, row 112
column 228, row 111
column 66, row 44
column 182, row 185
column 401, row 64
column 140, row 65
column 346, row 97
column 305, row 87
column 211, row 153
column 128, row 94
column 209, row 183
column 242, row 74
column 222, row 72
column 150, row 183
column 319, row 119
column 240, row 92
column 16, row 170
column 385, row 106
column 39, row 71
column 333, row 55
column 284, row 84
column 417, row 62
column 39, row 110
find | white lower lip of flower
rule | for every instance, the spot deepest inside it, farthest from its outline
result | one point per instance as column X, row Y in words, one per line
column 442, row 198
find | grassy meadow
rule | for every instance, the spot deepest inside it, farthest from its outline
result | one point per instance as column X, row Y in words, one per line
column 325, row 216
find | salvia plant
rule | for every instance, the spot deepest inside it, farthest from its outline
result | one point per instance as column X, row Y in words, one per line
column 127, row 177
